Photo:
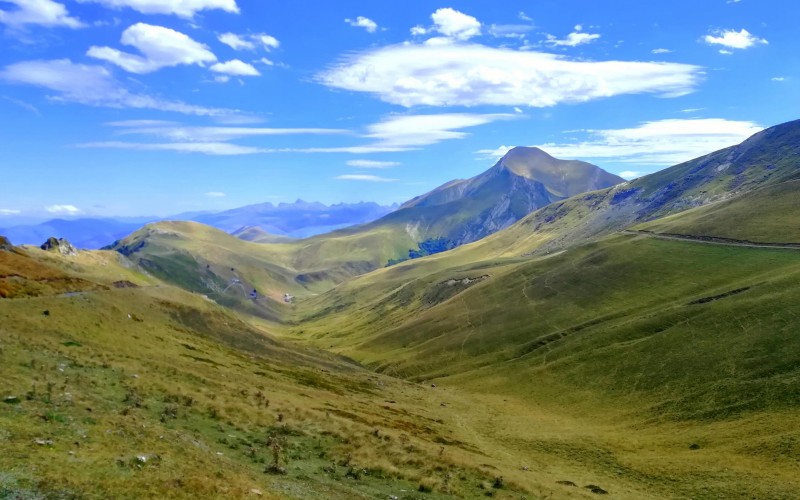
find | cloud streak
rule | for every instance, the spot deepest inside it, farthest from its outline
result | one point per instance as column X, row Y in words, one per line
column 473, row 75
column 662, row 143
column 93, row 85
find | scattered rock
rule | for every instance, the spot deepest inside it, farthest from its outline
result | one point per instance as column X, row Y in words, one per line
column 433, row 386
column 525, row 468
column 125, row 284
column 43, row 442
column 11, row 400
column 566, row 483
column 694, row 446
column 596, row 489
column 59, row 245
column 46, row 312
column 256, row 491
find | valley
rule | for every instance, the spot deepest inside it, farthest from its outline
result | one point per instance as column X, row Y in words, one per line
column 636, row 340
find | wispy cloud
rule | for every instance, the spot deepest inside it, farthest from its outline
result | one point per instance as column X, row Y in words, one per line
column 363, row 177
column 9, row 211
column 181, row 8
column 22, row 104
column 663, row 142
column 63, row 209
column 94, row 86
column 474, row 75
column 208, row 148
column 235, row 67
column 392, row 134
column 363, row 22
column 250, row 41
column 372, row 164
column 216, row 194
column 160, row 48
column 38, row 12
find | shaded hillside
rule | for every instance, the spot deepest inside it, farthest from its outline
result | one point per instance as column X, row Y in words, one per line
column 524, row 180
column 767, row 158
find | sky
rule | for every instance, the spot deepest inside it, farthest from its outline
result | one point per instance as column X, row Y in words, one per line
column 157, row 107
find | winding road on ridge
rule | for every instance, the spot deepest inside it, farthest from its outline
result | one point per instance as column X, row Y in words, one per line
column 713, row 240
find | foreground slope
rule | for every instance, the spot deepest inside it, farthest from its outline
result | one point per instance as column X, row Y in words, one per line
column 116, row 385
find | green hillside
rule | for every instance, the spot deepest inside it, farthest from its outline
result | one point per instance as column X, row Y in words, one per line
column 116, row 385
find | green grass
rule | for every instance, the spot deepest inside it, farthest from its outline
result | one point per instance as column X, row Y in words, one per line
column 158, row 392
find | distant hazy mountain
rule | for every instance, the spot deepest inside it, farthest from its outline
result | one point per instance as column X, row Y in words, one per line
column 83, row 233
column 300, row 219
column 294, row 220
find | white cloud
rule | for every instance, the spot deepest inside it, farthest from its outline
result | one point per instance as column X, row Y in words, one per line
column 778, row 78
column 573, row 39
column 63, row 209
column 235, row 67
column 422, row 130
column 216, row 194
column 630, row 174
column 208, row 148
column 9, row 211
column 692, row 110
column 363, row 177
column 733, row 39
column 661, row 51
column 236, row 42
column 181, row 133
column 249, row 42
column 161, row 47
column 523, row 16
column 181, row 8
column 454, row 24
column 372, row 164
column 94, row 86
column 473, row 75
column 725, row 52
column 509, row 30
column 663, row 142
column 363, row 22
column 418, row 31
column 265, row 62
column 38, row 12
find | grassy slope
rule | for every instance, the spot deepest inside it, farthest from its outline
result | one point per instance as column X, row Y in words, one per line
column 767, row 215
column 626, row 333
column 109, row 374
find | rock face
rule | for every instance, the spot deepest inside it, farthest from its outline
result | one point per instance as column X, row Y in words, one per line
column 5, row 244
column 59, row 245
column 524, row 180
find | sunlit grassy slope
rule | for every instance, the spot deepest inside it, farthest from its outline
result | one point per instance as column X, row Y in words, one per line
column 115, row 385
column 646, row 346
column 770, row 215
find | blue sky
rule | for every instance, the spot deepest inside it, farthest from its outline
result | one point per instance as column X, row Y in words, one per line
column 154, row 107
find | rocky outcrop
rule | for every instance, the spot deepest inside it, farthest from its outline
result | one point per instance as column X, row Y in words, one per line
column 59, row 245
column 5, row 245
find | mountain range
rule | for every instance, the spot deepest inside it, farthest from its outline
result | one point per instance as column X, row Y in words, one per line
column 291, row 220
column 542, row 329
